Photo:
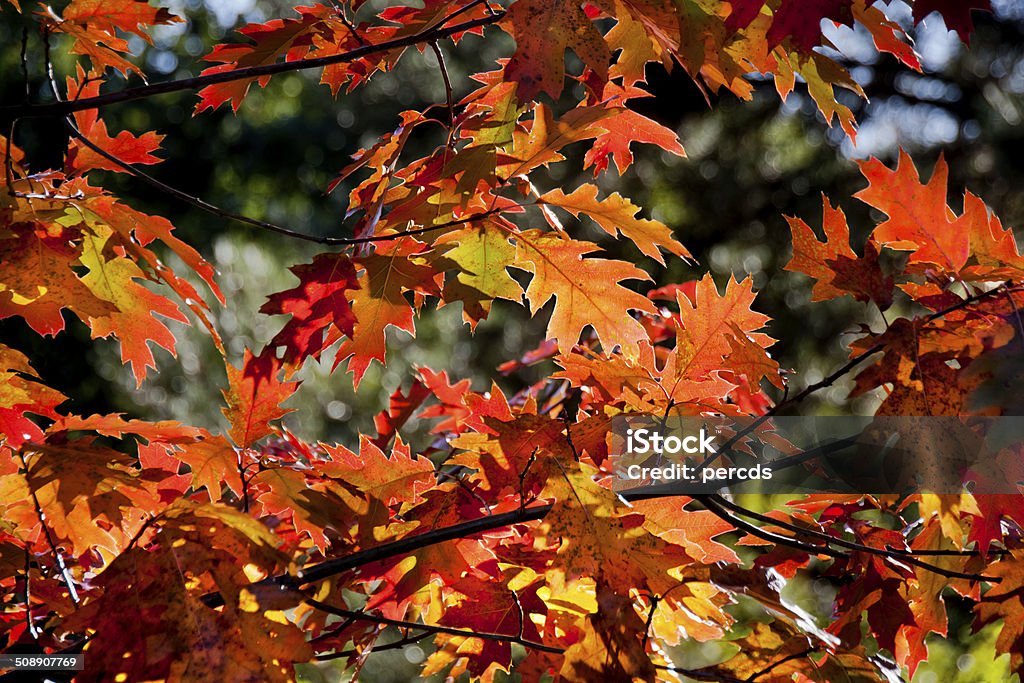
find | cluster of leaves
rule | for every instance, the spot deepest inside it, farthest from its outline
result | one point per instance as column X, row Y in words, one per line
column 168, row 552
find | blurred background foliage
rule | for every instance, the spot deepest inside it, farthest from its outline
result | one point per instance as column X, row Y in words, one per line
column 748, row 165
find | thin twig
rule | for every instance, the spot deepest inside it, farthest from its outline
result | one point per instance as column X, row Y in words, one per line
column 521, row 613
column 906, row 557
column 568, row 437
column 398, row 644
column 1016, row 313
column 484, row 505
column 431, row 628
column 257, row 223
column 449, row 97
column 350, row 26
column 142, row 529
column 655, row 599
column 9, row 160
column 24, row 63
column 29, row 622
column 245, row 480
column 65, row 573
column 845, row 368
column 522, row 478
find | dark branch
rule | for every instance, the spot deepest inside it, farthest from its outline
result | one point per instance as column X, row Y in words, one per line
column 398, row 644
column 699, row 675
column 65, row 573
column 712, row 504
column 63, row 108
column 788, row 658
column 329, row 568
column 431, row 628
column 893, row 554
column 846, row 367
column 255, row 222
column 448, row 92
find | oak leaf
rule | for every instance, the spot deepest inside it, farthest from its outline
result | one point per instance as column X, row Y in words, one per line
column 834, row 265
column 379, row 302
column 316, row 305
column 702, row 340
column 22, row 393
column 159, row 589
column 918, row 217
column 129, row 148
column 393, row 480
column 587, row 291
column 1004, row 601
column 253, row 399
column 617, row 216
column 115, row 280
column 214, row 463
column 543, row 30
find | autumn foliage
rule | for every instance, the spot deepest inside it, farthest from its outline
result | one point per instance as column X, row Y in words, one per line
column 167, row 552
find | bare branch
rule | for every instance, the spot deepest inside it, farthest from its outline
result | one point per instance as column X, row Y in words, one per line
column 449, row 97
column 711, row 504
column 29, row 622
column 700, row 675
column 788, row 658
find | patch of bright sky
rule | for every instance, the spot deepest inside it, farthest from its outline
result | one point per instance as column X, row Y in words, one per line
column 887, row 124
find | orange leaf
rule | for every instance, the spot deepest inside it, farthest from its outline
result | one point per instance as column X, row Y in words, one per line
column 918, row 216
column 214, row 462
column 617, row 216
column 1005, row 600
column 22, row 393
column 702, row 340
column 253, row 400
column 833, row 264
column 380, row 302
column 587, row 291
column 134, row 324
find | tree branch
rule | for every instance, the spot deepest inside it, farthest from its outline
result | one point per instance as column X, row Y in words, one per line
column 711, row 504
column 328, row 568
column 63, row 108
column 847, row 367
column 711, row 676
column 255, row 222
column 65, row 573
column 904, row 556
column 448, row 92
column 343, row 654
column 431, row 628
